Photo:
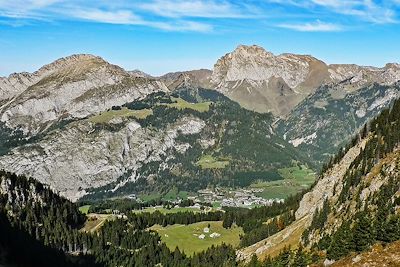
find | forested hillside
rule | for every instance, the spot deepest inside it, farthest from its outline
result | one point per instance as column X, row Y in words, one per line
column 347, row 214
column 235, row 148
column 327, row 119
column 39, row 228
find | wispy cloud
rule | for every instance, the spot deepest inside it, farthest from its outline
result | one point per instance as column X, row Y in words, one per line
column 317, row 26
column 367, row 10
column 165, row 15
column 112, row 17
column 196, row 8
column 375, row 11
column 206, row 15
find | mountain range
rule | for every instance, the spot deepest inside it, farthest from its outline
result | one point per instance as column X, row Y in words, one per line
column 94, row 133
column 84, row 126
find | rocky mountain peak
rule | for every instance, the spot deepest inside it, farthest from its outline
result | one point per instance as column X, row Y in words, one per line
column 247, row 51
column 72, row 87
column 248, row 75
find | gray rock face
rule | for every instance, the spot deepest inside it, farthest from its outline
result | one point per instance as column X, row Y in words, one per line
column 72, row 87
column 82, row 157
column 264, row 82
column 325, row 187
column 325, row 120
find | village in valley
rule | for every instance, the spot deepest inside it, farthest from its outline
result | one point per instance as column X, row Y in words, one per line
column 245, row 198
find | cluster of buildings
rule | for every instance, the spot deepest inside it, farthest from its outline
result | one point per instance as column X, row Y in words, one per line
column 206, row 230
column 234, row 198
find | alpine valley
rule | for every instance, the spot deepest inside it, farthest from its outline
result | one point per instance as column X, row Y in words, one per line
column 91, row 129
column 266, row 160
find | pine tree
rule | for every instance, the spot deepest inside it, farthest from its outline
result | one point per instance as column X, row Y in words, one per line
column 363, row 232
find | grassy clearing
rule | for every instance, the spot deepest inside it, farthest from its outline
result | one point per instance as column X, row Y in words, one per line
column 183, row 104
column 95, row 221
column 174, row 193
column 107, row 116
column 167, row 211
column 302, row 175
column 295, row 180
column 209, row 162
column 84, row 209
column 185, row 237
column 150, row 197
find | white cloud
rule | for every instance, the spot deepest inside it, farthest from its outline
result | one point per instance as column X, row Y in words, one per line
column 366, row 10
column 317, row 26
column 193, row 8
column 112, row 17
column 127, row 17
column 76, row 10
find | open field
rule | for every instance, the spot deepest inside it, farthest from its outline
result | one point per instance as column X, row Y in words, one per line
column 168, row 211
column 107, row 116
column 186, row 237
column 182, row 104
column 302, row 175
column 149, row 197
column 295, row 180
column 209, row 162
column 171, row 195
column 174, row 193
column 84, row 209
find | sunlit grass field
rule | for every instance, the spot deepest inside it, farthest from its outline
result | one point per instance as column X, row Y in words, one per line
column 296, row 179
column 185, row 237
column 107, row 116
column 183, row 104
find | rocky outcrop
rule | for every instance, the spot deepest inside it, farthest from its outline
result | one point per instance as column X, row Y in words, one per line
column 328, row 186
column 82, row 157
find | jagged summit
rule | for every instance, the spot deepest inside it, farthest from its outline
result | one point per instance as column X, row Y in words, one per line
column 264, row 82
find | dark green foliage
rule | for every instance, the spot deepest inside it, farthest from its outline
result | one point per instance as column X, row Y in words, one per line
column 363, row 234
column 341, row 242
column 320, row 217
column 242, row 137
column 145, row 219
column 244, row 179
column 39, row 228
column 337, row 119
column 265, row 230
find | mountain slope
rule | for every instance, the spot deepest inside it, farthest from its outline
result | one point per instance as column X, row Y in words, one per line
column 355, row 202
column 38, row 227
column 69, row 88
column 325, row 120
column 156, row 143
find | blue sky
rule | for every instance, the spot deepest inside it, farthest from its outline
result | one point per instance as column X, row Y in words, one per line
column 158, row 36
